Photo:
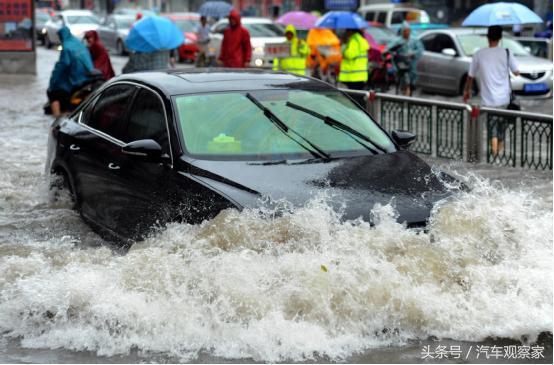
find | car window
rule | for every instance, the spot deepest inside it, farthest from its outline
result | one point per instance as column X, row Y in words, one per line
column 220, row 27
column 147, row 120
column 412, row 16
column 109, row 111
column 471, row 43
column 382, row 17
column 82, row 19
column 264, row 30
column 188, row 25
column 442, row 42
column 428, row 42
column 238, row 129
column 369, row 16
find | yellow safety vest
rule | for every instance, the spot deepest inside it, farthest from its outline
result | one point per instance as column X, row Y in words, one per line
column 296, row 62
column 354, row 64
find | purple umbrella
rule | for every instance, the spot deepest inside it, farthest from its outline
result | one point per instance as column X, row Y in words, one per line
column 300, row 19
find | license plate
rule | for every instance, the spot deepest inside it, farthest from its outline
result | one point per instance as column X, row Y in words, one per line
column 539, row 87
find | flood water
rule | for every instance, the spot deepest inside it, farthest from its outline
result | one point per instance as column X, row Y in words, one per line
column 250, row 287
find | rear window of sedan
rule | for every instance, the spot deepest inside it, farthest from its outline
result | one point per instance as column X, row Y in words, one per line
column 230, row 126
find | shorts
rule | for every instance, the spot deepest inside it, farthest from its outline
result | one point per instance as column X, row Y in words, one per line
column 60, row 95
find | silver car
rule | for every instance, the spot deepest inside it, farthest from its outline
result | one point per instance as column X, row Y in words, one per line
column 113, row 31
column 448, row 54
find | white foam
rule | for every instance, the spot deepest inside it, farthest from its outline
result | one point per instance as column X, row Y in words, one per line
column 304, row 284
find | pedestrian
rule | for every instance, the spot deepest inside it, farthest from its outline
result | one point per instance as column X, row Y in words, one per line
column 295, row 62
column 202, row 40
column 492, row 66
column 408, row 51
column 236, row 50
column 354, row 64
column 72, row 70
column 100, row 57
column 147, row 61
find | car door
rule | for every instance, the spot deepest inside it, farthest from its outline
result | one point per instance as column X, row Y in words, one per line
column 145, row 194
column 95, row 149
column 437, row 66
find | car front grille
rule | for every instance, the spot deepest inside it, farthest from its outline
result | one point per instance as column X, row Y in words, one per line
column 533, row 75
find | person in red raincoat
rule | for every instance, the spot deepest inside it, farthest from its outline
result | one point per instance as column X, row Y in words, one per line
column 99, row 55
column 235, row 48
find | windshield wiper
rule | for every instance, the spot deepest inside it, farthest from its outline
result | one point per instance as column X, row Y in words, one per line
column 316, row 151
column 351, row 132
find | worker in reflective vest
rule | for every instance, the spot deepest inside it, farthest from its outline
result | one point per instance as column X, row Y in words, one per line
column 299, row 50
column 354, row 64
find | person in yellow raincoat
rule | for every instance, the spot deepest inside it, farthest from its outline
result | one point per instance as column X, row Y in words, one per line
column 354, row 64
column 296, row 62
column 324, row 51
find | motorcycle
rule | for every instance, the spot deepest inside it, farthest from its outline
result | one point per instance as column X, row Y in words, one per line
column 81, row 93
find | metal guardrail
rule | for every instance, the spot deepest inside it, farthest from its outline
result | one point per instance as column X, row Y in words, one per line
column 461, row 131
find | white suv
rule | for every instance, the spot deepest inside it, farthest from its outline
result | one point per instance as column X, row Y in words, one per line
column 392, row 15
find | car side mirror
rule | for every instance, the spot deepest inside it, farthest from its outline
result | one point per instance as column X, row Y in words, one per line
column 403, row 138
column 449, row 52
column 146, row 150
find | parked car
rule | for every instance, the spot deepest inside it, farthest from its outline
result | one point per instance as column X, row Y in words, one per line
column 78, row 22
column 134, row 155
column 447, row 57
column 391, row 15
column 189, row 24
column 113, row 31
column 42, row 16
column 262, row 31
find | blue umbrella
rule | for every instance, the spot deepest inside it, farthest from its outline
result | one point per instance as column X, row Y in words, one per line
column 154, row 33
column 341, row 20
column 215, row 9
column 501, row 14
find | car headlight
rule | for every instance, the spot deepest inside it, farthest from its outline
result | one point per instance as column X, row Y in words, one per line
column 60, row 48
column 43, row 31
column 259, row 49
column 258, row 62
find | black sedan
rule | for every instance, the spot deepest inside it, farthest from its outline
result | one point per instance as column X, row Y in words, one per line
column 149, row 148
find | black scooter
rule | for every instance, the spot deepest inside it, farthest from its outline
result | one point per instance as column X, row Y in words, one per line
column 81, row 93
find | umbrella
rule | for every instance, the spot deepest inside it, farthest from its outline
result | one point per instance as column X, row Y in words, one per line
column 501, row 14
column 341, row 20
column 215, row 9
column 300, row 19
column 153, row 34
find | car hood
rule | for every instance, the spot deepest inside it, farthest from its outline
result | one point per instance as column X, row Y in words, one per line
column 79, row 30
column 353, row 185
column 261, row 41
column 533, row 64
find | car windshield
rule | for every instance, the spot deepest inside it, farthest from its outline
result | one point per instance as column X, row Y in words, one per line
column 82, row 19
column 187, row 25
column 471, row 43
column 124, row 23
column 381, row 35
column 264, row 30
column 42, row 16
column 237, row 129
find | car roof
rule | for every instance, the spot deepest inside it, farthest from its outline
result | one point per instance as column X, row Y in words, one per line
column 183, row 15
column 457, row 31
column 250, row 20
column 389, row 7
column 76, row 12
column 197, row 80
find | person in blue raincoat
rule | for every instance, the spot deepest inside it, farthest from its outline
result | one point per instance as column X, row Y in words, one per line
column 72, row 70
column 409, row 50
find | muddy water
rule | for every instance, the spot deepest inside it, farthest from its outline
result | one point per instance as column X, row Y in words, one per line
column 247, row 286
